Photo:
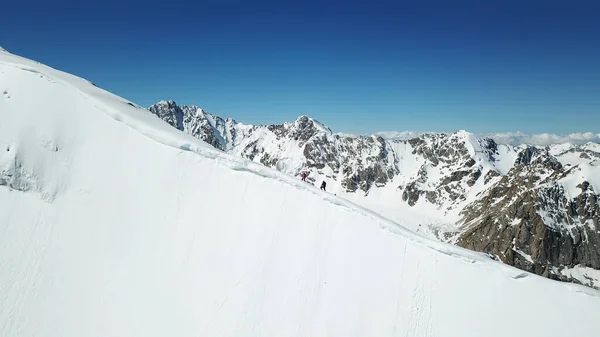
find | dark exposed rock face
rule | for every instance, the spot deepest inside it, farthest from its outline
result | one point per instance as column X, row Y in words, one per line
column 193, row 120
column 452, row 160
column 521, row 213
column 360, row 162
column 525, row 156
column 170, row 112
column 527, row 220
column 491, row 147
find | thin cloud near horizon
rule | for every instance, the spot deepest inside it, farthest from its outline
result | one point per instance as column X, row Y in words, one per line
column 510, row 138
column 543, row 139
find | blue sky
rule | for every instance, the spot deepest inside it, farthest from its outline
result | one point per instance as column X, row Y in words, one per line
column 483, row 66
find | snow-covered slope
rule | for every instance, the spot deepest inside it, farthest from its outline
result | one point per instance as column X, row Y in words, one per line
column 112, row 223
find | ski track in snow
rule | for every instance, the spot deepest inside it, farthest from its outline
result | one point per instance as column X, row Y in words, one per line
column 218, row 276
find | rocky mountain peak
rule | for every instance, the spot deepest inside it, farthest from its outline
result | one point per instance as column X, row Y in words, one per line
column 539, row 158
column 167, row 103
column 592, row 147
column 170, row 112
column 195, row 121
column 442, row 147
column 304, row 128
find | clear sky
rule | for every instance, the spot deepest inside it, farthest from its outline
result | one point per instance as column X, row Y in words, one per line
column 483, row 66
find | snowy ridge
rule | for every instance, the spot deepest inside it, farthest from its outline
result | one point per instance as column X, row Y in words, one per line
column 172, row 252
column 429, row 183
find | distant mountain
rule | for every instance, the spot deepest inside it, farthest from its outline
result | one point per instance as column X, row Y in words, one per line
column 536, row 208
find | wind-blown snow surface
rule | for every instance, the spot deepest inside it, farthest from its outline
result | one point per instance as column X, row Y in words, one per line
column 112, row 223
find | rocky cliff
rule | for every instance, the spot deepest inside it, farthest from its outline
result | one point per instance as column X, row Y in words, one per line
column 534, row 219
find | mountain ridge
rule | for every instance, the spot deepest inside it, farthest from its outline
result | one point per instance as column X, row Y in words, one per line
column 514, row 139
column 449, row 174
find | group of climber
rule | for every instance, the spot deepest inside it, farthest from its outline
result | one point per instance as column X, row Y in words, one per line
column 323, row 184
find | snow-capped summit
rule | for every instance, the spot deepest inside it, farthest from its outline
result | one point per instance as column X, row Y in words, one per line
column 593, row 147
column 304, row 128
column 304, row 122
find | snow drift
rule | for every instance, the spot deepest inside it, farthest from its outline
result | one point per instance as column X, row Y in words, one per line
column 112, row 223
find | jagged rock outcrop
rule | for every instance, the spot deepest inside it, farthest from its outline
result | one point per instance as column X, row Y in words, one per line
column 530, row 221
column 449, row 168
column 212, row 129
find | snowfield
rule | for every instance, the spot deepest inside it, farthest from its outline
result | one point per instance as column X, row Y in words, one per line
column 113, row 223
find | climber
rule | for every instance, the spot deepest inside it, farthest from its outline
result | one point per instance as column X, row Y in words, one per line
column 323, row 185
column 303, row 176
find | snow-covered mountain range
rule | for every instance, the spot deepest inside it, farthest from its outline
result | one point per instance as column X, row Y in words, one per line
column 532, row 207
column 113, row 223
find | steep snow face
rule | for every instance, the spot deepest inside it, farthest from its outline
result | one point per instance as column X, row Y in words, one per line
column 114, row 223
column 505, row 158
